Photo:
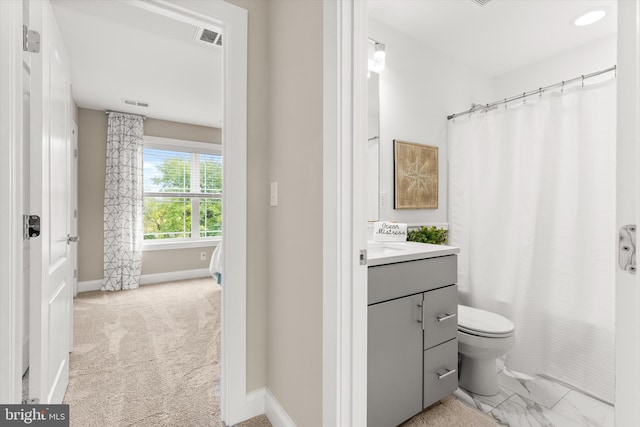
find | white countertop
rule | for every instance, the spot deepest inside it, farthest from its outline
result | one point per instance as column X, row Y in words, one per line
column 380, row 253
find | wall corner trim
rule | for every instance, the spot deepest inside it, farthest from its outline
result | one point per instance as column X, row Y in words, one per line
column 275, row 412
column 147, row 279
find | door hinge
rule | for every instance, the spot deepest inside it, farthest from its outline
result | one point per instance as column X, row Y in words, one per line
column 35, row 401
column 75, row 153
column 30, row 226
column 627, row 248
column 363, row 257
column 75, row 274
column 75, row 213
column 30, row 40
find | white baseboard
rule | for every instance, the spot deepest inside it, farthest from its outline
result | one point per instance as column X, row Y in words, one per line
column 89, row 285
column 147, row 279
column 255, row 403
column 275, row 412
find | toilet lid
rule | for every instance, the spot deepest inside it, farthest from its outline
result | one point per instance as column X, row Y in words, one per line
column 483, row 323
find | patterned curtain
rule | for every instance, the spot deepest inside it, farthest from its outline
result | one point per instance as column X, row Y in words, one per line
column 123, row 203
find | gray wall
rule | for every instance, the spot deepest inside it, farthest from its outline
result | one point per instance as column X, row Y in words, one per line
column 294, row 248
column 92, row 146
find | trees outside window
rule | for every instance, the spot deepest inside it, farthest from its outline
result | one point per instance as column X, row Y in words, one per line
column 182, row 194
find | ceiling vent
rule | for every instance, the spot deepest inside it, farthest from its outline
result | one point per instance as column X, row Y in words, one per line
column 481, row 2
column 135, row 103
column 207, row 36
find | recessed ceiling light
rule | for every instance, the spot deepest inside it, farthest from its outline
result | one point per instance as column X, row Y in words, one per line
column 589, row 18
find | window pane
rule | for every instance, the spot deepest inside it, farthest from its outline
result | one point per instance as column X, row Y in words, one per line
column 210, row 217
column 167, row 171
column 167, row 218
column 210, row 173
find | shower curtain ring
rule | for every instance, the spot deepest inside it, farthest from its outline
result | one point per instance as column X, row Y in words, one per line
column 540, row 93
column 505, row 103
column 583, row 80
column 562, row 90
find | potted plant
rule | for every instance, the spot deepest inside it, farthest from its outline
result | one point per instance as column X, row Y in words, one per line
column 433, row 235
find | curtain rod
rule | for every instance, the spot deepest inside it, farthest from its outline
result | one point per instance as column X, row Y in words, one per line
column 478, row 107
column 122, row 112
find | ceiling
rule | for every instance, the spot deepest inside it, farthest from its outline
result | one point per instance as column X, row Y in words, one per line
column 501, row 36
column 119, row 51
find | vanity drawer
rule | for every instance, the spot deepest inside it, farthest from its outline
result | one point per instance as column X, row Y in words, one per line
column 440, row 316
column 391, row 281
column 440, row 372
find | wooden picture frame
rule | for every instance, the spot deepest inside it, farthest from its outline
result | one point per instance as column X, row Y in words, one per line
column 415, row 176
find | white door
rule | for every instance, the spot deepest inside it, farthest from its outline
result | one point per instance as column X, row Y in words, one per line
column 51, row 288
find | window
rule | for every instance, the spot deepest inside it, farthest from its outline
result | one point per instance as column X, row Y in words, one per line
column 182, row 191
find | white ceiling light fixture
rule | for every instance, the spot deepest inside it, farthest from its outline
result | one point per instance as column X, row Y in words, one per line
column 590, row 17
column 377, row 64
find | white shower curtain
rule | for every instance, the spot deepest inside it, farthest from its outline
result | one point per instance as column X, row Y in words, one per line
column 123, row 203
column 532, row 207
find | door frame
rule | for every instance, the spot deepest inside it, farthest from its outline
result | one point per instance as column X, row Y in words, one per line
column 11, row 181
column 344, row 341
column 627, row 347
column 236, row 405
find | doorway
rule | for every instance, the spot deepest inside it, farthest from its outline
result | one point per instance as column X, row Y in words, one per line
column 234, row 21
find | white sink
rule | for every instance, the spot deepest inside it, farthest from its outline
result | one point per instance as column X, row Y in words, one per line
column 390, row 252
column 373, row 246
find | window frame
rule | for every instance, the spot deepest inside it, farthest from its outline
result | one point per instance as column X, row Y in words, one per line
column 187, row 146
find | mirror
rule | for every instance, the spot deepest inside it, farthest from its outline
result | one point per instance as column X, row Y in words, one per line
column 373, row 146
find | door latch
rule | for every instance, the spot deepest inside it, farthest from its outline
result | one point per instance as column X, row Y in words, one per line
column 627, row 248
column 30, row 226
column 363, row 257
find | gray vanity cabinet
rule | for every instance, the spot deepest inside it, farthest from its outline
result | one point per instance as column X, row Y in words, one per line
column 394, row 362
column 412, row 345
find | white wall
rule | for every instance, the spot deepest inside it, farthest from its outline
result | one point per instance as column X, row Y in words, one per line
column 419, row 87
column 585, row 59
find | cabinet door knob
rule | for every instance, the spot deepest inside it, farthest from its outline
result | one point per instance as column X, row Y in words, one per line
column 446, row 374
column 446, row 316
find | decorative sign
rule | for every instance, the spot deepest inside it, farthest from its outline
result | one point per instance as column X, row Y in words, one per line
column 389, row 232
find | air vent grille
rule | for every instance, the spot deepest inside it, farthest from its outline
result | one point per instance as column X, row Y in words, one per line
column 481, row 2
column 135, row 103
column 209, row 37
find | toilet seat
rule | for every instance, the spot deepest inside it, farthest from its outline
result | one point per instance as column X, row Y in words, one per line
column 483, row 323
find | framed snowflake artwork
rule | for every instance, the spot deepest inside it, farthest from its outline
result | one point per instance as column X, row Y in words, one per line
column 415, row 168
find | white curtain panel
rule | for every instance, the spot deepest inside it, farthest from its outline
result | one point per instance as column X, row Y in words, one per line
column 123, row 203
column 532, row 207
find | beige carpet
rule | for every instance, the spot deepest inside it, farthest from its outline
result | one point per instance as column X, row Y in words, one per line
column 451, row 413
column 149, row 357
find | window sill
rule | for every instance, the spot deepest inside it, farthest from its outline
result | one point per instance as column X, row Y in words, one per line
column 181, row 244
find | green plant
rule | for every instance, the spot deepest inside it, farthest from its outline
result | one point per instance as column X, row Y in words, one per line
column 433, row 235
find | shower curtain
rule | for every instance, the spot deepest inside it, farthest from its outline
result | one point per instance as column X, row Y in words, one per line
column 532, row 208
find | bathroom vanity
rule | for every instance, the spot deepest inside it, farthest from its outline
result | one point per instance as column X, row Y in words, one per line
column 412, row 329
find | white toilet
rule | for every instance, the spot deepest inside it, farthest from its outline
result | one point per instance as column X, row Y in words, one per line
column 483, row 336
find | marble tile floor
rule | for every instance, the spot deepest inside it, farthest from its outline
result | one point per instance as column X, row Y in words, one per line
column 538, row 402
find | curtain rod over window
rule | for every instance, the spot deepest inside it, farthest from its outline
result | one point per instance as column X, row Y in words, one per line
column 479, row 107
column 122, row 112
